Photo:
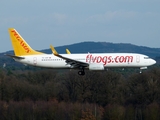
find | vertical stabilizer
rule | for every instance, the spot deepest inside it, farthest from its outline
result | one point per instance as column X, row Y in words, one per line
column 20, row 46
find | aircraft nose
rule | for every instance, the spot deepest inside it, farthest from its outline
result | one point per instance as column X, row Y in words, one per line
column 153, row 62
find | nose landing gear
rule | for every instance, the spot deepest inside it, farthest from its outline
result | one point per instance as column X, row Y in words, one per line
column 142, row 68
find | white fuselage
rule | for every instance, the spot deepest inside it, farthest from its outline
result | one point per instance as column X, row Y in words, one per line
column 107, row 59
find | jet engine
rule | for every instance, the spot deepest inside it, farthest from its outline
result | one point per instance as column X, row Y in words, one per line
column 96, row 66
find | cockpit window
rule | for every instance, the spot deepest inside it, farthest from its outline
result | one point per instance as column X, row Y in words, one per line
column 146, row 58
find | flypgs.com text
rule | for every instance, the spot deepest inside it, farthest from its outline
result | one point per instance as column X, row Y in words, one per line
column 109, row 59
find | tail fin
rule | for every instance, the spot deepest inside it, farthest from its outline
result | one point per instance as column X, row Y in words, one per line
column 20, row 46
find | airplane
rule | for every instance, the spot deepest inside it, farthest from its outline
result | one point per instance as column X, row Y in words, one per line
column 24, row 54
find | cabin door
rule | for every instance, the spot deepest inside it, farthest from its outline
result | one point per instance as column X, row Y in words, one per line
column 35, row 61
column 137, row 58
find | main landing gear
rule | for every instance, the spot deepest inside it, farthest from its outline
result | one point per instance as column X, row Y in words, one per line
column 81, row 72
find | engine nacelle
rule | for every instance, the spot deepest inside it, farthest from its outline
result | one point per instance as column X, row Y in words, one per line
column 96, row 66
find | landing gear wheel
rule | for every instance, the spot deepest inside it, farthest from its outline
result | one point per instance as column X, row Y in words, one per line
column 140, row 71
column 81, row 73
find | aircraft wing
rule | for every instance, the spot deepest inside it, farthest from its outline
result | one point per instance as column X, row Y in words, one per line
column 69, row 61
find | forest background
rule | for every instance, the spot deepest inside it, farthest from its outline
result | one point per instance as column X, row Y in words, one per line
column 46, row 94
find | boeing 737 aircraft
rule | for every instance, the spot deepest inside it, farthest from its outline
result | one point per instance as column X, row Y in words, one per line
column 92, row 61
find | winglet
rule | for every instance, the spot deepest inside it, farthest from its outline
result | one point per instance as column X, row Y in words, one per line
column 68, row 52
column 54, row 51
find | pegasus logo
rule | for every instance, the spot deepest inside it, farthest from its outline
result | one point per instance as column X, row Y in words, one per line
column 22, row 43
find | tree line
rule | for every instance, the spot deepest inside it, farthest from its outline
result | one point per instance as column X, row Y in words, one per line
column 64, row 95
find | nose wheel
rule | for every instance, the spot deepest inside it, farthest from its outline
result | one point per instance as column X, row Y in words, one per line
column 140, row 71
column 142, row 68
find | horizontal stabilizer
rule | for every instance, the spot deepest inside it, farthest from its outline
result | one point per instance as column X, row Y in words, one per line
column 13, row 56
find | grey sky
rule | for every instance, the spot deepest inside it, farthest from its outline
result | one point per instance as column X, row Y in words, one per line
column 63, row 22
